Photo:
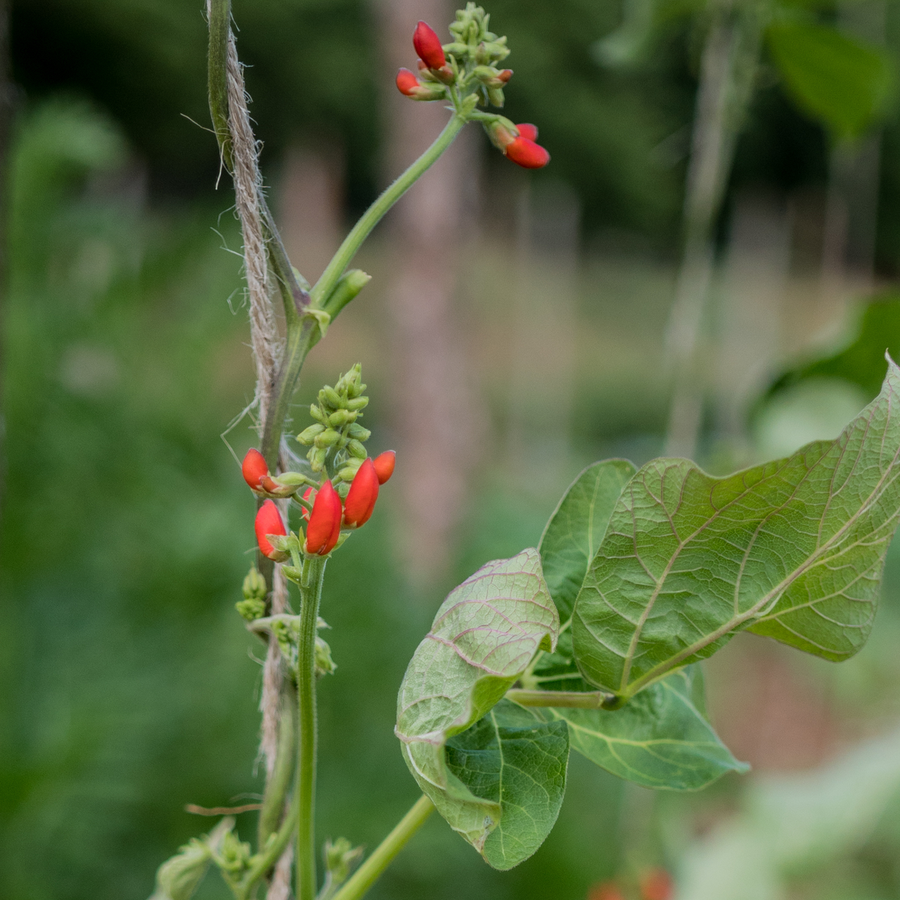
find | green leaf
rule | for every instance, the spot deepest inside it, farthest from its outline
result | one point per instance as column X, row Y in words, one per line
column 517, row 763
column 483, row 638
column 792, row 549
column 660, row 739
column 576, row 528
column 837, row 79
column 861, row 362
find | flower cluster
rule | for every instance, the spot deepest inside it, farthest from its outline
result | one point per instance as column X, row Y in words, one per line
column 465, row 72
column 330, row 503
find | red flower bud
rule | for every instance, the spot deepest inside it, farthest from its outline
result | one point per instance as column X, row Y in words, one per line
column 324, row 521
column 254, row 468
column 527, row 130
column 656, row 885
column 409, row 85
column 407, row 82
column 428, row 46
column 384, row 465
column 527, row 154
column 362, row 496
column 505, row 75
column 269, row 521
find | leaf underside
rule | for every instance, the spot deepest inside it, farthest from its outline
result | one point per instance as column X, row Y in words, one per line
column 661, row 738
column 792, row 549
column 484, row 636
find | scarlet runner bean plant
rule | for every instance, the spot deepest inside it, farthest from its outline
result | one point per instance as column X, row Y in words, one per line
column 591, row 641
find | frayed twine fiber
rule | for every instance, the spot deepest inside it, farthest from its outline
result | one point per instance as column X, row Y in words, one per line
column 248, row 187
column 280, row 886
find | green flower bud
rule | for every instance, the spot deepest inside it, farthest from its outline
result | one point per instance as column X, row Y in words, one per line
column 318, row 415
column 357, row 431
column 317, row 457
column 358, row 403
column 324, row 663
column 355, row 448
column 341, row 417
column 308, row 435
column 254, row 587
column 341, row 858
column 292, row 573
column 251, row 608
column 327, row 438
column 330, row 399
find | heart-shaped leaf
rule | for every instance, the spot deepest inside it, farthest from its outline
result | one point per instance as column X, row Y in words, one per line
column 483, row 638
column 660, row 739
column 516, row 762
column 792, row 549
column 576, row 528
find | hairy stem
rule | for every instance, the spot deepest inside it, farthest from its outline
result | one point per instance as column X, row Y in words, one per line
column 311, row 593
column 383, row 855
column 374, row 213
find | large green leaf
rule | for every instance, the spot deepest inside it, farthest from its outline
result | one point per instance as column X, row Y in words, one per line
column 792, row 549
column 515, row 762
column 483, row 638
column 576, row 528
column 833, row 77
column 660, row 739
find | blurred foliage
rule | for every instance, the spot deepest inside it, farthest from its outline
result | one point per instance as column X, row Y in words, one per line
column 861, row 362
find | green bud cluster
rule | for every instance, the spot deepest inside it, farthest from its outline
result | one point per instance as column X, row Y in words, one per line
column 234, row 857
column 253, row 606
column 336, row 434
column 341, row 858
column 476, row 51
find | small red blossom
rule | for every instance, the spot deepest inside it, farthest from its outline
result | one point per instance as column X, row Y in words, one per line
column 657, row 885
column 269, row 521
column 362, row 495
column 607, row 890
column 254, row 468
column 428, row 46
column 527, row 154
column 527, row 130
column 384, row 465
column 407, row 82
column 324, row 521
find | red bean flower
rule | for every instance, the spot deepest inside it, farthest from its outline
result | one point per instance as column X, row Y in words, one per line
column 324, row 527
column 410, row 86
column 384, row 465
column 362, row 495
column 269, row 521
column 524, row 149
column 428, row 46
column 254, row 468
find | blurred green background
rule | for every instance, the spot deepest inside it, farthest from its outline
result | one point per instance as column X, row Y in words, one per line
column 128, row 684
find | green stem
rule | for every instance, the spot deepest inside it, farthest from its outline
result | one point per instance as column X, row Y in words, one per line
column 567, row 699
column 278, row 785
column 311, row 593
column 383, row 855
column 264, row 860
column 219, row 18
column 373, row 214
